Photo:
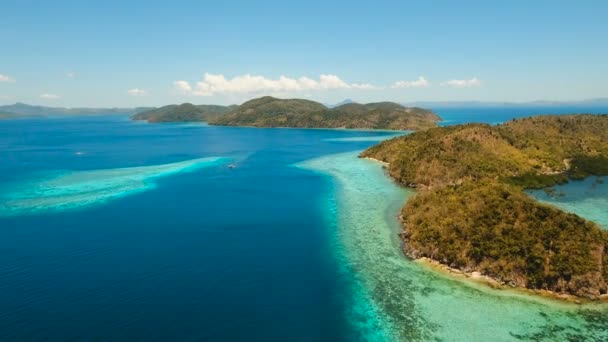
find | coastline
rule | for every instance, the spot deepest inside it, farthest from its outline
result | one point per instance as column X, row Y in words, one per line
column 205, row 123
column 406, row 299
column 477, row 277
column 384, row 164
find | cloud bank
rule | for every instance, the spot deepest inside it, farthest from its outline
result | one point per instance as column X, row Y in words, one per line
column 214, row 84
column 48, row 96
column 137, row 92
column 473, row 82
column 421, row 82
column 218, row 84
column 4, row 78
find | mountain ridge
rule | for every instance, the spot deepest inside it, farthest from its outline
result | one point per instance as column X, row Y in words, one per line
column 269, row 111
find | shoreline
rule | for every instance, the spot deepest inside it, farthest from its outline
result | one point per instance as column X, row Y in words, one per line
column 492, row 283
column 385, row 164
column 476, row 276
column 408, row 300
column 383, row 130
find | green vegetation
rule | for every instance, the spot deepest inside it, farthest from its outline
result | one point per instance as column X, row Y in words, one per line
column 472, row 212
column 185, row 112
column 269, row 112
column 498, row 230
column 272, row 112
column 528, row 151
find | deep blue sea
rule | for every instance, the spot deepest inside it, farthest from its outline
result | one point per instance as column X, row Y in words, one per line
column 119, row 230
column 212, row 254
column 499, row 114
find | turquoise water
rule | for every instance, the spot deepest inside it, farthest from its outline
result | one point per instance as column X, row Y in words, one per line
column 74, row 189
column 398, row 299
column 367, row 138
column 120, row 230
column 587, row 198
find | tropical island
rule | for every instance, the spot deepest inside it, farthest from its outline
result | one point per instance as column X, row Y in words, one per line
column 269, row 111
column 471, row 212
column 185, row 112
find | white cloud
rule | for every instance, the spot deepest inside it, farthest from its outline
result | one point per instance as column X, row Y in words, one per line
column 363, row 86
column 421, row 82
column 48, row 96
column 473, row 82
column 70, row 74
column 137, row 92
column 216, row 83
column 183, row 86
column 4, row 78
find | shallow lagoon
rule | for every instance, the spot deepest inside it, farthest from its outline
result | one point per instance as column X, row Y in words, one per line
column 587, row 198
column 74, row 189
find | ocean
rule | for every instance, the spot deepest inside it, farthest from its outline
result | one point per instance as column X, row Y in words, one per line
column 118, row 230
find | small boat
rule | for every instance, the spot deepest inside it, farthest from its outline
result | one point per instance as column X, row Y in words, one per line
column 231, row 166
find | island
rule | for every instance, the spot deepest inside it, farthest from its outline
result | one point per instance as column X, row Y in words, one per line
column 471, row 212
column 22, row 110
column 269, row 111
column 185, row 112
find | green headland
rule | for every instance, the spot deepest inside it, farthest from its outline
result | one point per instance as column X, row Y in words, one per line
column 471, row 211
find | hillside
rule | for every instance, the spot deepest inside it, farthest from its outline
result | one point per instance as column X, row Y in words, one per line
column 272, row 112
column 472, row 213
column 537, row 149
column 183, row 113
column 269, row 112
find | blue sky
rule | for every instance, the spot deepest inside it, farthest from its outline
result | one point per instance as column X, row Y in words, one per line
column 131, row 53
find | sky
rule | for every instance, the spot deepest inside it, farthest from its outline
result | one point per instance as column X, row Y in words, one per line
column 145, row 53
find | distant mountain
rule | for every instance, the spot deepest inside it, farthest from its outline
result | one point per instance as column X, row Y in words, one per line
column 22, row 109
column 343, row 102
column 7, row 115
column 183, row 113
column 272, row 112
column 598, row 102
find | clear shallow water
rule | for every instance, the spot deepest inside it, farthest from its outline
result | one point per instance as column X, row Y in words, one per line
column 264, row 251
column 397, row 299
column 587, row 198
column 74, row 189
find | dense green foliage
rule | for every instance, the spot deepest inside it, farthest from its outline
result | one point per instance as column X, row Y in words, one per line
column 498, row 230
column 185, row 112
column 534, row 149
column 472, row 212
column 272, row 112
